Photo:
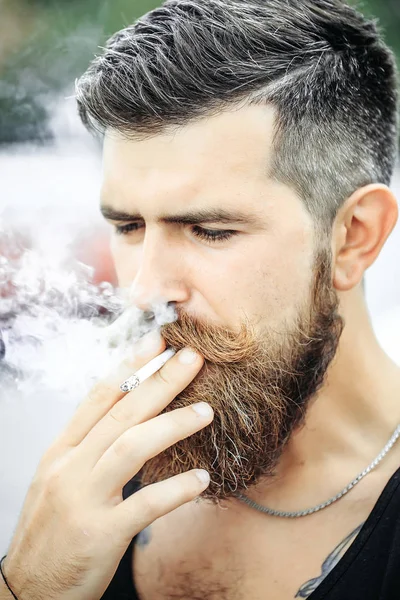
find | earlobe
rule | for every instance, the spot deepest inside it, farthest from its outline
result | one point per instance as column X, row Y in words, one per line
column 346, row 277
column 361, row 229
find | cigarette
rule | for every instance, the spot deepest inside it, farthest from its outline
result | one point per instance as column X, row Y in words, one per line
column 147, row 371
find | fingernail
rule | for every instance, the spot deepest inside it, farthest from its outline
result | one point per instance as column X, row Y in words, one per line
column 188, row 356
column 203, row 409
column 203, row 475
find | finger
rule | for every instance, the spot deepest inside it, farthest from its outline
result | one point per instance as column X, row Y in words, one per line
column 175, row 375
column 106, row 393
column 139, row 444
column 158, row 499
column 143, row 403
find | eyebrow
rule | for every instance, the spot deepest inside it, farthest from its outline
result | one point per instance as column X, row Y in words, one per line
column 194, row 217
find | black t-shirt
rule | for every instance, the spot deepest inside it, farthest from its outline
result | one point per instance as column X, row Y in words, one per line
column 369, row 569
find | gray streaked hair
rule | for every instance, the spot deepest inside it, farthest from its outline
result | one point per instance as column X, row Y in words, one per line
column 322, row 65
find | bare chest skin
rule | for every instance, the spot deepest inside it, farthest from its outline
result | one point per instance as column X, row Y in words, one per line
column 235, row 553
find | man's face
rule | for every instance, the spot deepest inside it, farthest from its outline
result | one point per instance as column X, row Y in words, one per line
column 258, row 303
column 263, row 271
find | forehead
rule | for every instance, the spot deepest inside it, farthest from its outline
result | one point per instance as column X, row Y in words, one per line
column 231, row 150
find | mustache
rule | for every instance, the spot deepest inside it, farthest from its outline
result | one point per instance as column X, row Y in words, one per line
column 217, row 344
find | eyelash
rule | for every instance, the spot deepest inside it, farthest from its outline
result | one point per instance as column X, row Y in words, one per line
column 209, row 235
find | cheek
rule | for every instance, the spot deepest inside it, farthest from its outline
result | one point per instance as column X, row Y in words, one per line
column 286, row 274
column 269, row 279
column 126, row 261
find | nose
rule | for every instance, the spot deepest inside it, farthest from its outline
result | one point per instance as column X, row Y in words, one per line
column 160, row 277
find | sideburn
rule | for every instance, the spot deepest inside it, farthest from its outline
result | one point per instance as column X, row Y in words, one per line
column 259, row 388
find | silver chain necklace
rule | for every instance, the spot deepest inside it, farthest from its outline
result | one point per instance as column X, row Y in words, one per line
column 310, row 511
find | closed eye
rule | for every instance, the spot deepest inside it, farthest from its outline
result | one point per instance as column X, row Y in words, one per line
column 213, row 235
column 209, row 235
column 125, row 229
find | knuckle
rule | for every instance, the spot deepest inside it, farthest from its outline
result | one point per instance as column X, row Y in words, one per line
column 39, row 480
column 53, row 481
column 163, row 377
column 45, row 463
column 149, row 507
column 53, row 478
column 176, row 419
column 54, row 452
column 124, row 445
column 120, row 412
column 99, row 393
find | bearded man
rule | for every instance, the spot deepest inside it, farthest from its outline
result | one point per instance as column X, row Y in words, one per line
column 248, row 150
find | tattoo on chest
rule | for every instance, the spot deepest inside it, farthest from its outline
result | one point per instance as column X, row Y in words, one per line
column 144, row 538
column 310, row 586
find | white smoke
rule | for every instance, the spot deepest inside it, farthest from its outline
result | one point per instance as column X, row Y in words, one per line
column 54, row 320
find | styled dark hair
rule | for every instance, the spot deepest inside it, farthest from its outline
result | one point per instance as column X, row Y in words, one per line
column 320, row 63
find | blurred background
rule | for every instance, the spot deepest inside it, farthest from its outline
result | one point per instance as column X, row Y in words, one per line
column 49, row 184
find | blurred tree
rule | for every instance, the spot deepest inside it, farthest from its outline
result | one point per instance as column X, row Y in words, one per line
column 388, row 12
column 55, row 42
column 46, row 44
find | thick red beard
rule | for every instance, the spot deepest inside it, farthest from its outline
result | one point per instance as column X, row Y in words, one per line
column 258, row 386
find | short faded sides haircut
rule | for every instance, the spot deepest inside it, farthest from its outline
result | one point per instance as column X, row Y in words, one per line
column 322, row 65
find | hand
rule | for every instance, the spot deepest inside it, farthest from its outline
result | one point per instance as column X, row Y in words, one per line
column 75, row 526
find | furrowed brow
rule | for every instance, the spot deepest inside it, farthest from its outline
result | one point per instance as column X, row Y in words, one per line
column 210, row 215
column 195, row 217
column 111, row 214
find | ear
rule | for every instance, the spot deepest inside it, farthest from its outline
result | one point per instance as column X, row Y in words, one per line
column 361, row 228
